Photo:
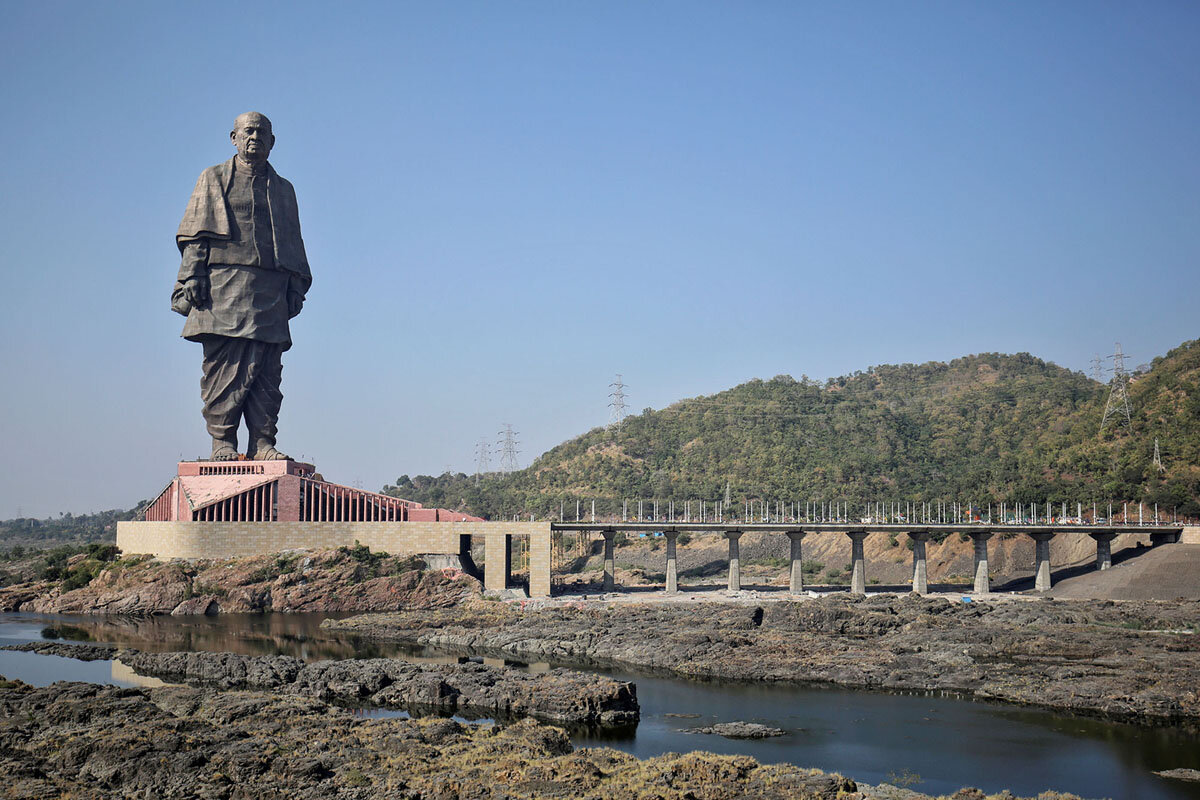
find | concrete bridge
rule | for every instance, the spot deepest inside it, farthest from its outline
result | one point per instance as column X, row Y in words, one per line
column 1103, row 535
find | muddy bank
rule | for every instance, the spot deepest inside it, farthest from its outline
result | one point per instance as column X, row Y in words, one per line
column 97, row 742
column 346, row 579
column 558, row 695
column 1137, row 661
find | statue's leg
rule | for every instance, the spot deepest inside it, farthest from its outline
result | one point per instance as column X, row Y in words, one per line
column 223, row 386
column 263, row 402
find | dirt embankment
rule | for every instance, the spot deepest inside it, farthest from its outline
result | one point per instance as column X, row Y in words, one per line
column 333, row 580
column 97, row 742
column 1137, row 661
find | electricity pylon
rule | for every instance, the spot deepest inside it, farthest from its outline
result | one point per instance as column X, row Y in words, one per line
column 616, row 406
column 1117, row 406
column 508, row 449
column 483, row 459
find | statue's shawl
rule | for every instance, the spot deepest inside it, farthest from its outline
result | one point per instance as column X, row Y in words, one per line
column 207, row 216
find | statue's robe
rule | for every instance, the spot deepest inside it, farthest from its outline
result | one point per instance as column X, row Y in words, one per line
column 215, row 239
column 241, row 229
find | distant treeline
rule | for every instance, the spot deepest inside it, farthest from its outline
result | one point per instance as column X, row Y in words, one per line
column 981, row 429
column 66, row 528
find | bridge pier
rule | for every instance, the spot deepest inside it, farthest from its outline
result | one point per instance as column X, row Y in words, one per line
column 983, row 584
column 1103, row 549
column 858, row 573
column 672, row 575
column 735, row 561
column 796, row 584
column 610, row 561
column 1041, row 581
column 920, row 579
column 1164, row 538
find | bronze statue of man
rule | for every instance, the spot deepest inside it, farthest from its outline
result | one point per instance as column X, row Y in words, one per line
column 243, row 275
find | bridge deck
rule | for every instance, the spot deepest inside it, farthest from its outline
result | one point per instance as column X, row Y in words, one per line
column 855, row 527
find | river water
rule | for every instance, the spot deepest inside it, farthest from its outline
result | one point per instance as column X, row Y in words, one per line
column 934, row 744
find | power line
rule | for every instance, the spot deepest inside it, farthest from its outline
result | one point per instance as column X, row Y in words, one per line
column 616, row 405
column 1117, row 406
column 508, row 449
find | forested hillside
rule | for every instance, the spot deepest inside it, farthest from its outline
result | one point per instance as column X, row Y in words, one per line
column 982, row 428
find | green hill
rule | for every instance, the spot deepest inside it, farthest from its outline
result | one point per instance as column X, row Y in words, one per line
column 982, row 428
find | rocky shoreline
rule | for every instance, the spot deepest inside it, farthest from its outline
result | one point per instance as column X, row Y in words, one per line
column 559, row 695
column 340, row 580
column 1133, row 661
column 93, row 742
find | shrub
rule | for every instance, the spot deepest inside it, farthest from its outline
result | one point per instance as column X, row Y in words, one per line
column 103, row 551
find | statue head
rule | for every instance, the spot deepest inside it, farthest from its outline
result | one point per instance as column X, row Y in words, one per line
column 252, row 137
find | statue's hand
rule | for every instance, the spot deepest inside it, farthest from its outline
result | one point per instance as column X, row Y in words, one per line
column 295, row 303
column 196, row 290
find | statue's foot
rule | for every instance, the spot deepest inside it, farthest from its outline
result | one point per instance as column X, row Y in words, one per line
column 267, row 452
column 224, row 451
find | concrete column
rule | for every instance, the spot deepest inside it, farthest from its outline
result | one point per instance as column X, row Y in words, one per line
column 735, row 561
column 1041, row 581
column 1103, row 549
column 796, row 584
column 672, row 575
column 497, row 564
column 920, row 581
column 539, row 559
column 610, row 561
column 983, row 584
column 858, row 577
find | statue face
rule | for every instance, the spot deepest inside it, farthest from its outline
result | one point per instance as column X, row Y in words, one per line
column 252, row 137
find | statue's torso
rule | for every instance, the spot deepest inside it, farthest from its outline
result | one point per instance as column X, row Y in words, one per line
column 249, row 295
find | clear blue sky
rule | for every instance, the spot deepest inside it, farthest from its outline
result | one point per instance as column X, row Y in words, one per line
column 505, row 204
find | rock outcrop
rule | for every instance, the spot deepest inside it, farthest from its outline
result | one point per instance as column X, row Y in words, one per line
column 740, row 730
column 558, row 695
column 329, row 581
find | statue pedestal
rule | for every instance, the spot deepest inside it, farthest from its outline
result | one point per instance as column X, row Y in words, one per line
column 278, row 491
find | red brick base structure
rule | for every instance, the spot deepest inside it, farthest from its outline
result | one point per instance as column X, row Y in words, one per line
column 214, row 509
column 278, row 491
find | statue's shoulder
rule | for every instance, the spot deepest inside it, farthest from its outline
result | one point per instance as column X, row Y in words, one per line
column 218, row 173
column 275, row 176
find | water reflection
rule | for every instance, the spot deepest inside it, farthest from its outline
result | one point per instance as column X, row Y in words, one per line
column 298, row 635
column 123, row 675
